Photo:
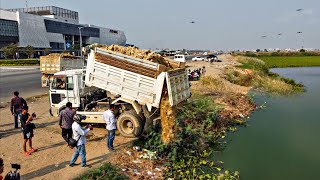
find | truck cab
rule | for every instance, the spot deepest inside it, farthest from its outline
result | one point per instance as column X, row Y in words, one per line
column 69, row 86
column 64, row 88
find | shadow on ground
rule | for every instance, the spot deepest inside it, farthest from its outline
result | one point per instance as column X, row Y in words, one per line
column 55, row 167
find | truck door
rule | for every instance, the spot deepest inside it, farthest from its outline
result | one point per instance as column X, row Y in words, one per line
column 62, row 91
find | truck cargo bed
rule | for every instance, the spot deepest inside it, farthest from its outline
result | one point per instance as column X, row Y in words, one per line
column 136, row 79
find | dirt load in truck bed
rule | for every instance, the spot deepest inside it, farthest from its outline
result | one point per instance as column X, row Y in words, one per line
column 143, row 54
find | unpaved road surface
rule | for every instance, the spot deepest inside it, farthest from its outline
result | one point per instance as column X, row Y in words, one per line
column 53, row 156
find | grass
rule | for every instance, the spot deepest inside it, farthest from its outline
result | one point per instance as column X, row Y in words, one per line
column 104, row 172
column 19, row 62
column 260, row 78
column 281, row 62
column 210, row 84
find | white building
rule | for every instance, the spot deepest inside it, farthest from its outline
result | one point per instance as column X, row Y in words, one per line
column 52, row 27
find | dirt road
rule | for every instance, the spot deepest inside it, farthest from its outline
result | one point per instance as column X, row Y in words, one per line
column 53, row 156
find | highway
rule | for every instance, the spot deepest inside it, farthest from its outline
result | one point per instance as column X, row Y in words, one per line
column 25, row 79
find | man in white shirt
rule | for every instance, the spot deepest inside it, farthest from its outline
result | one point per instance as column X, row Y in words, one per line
column 111, row 122
column 79, row 134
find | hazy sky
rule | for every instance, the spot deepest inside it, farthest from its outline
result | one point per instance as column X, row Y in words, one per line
column 224, row 24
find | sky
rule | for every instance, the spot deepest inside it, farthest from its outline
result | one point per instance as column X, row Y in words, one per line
column 219, row 25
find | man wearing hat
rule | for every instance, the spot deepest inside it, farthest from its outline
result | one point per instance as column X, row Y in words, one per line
column 79, row 134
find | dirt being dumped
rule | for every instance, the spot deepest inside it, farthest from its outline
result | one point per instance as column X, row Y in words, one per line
column 142, row 54
column 168, row 120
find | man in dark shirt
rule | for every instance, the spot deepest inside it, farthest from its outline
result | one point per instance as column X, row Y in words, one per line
column 27, row 130
column 66, row 120
column 16, row 107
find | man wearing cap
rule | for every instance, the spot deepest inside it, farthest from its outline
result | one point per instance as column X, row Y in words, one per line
column 27, row 129
column 16, row 107
column 79, row 134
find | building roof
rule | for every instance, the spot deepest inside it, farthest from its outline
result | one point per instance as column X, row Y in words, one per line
column 48, row 10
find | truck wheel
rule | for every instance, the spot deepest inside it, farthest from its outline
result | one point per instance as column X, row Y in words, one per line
column 130, row 124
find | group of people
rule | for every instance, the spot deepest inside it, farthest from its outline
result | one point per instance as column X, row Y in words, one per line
column 19, row 110
column 69, row 123
column 195, row 75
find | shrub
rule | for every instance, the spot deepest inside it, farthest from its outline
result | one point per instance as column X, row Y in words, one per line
column 104, row 172
column 19, row 62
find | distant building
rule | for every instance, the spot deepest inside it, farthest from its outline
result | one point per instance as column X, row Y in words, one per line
column 52, row 27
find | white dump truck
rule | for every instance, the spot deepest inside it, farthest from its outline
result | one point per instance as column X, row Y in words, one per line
column 53, row 63
column 134, row 85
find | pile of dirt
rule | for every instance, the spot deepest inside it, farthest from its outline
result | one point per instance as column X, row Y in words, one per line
column 236, row 106
column 168, row 120
column 141, row 54
column 135, row 167
column 62, row 55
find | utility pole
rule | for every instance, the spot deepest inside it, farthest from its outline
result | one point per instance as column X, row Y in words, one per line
column 27, row 5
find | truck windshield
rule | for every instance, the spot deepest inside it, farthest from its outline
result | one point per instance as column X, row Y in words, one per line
column 59, row 83
column 62, row 83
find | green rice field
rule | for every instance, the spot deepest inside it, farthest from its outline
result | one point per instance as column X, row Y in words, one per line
column 302, row 61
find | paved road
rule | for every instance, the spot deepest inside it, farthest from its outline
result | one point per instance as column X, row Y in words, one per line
column 24, row 79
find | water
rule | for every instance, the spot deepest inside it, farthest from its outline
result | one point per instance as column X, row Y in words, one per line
column 283, row 140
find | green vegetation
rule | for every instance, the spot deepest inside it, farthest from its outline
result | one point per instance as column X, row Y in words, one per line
column 265, row 53
column 259, row 77
column 29, row 51
column 20, row 62
column 10, row 50
column 104, row 172
column 272, row 62
column 198, row 130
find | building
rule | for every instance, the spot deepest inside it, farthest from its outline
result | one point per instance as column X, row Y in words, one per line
column 51, row 27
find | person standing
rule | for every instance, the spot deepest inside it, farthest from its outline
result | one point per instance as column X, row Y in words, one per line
column 27, row 129
column 111, row 121
column 16, row 107
column 65, row 121
column 204, row 71
column 79, row 134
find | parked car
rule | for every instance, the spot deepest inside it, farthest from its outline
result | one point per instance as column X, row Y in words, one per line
column 213, row 58
column 198, row 58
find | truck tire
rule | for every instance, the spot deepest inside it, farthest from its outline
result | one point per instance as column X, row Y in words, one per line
column 130, row 124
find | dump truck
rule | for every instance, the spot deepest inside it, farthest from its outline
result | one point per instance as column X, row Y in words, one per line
column 134, row 85
column 53, row 63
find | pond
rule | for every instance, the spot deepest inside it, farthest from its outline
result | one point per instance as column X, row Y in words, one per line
column 281, row 141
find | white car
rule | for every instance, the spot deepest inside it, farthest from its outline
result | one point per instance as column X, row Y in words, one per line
column 198, row 58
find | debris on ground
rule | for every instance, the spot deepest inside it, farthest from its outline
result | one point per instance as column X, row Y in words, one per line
column 236, row 106
column 138, row 168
